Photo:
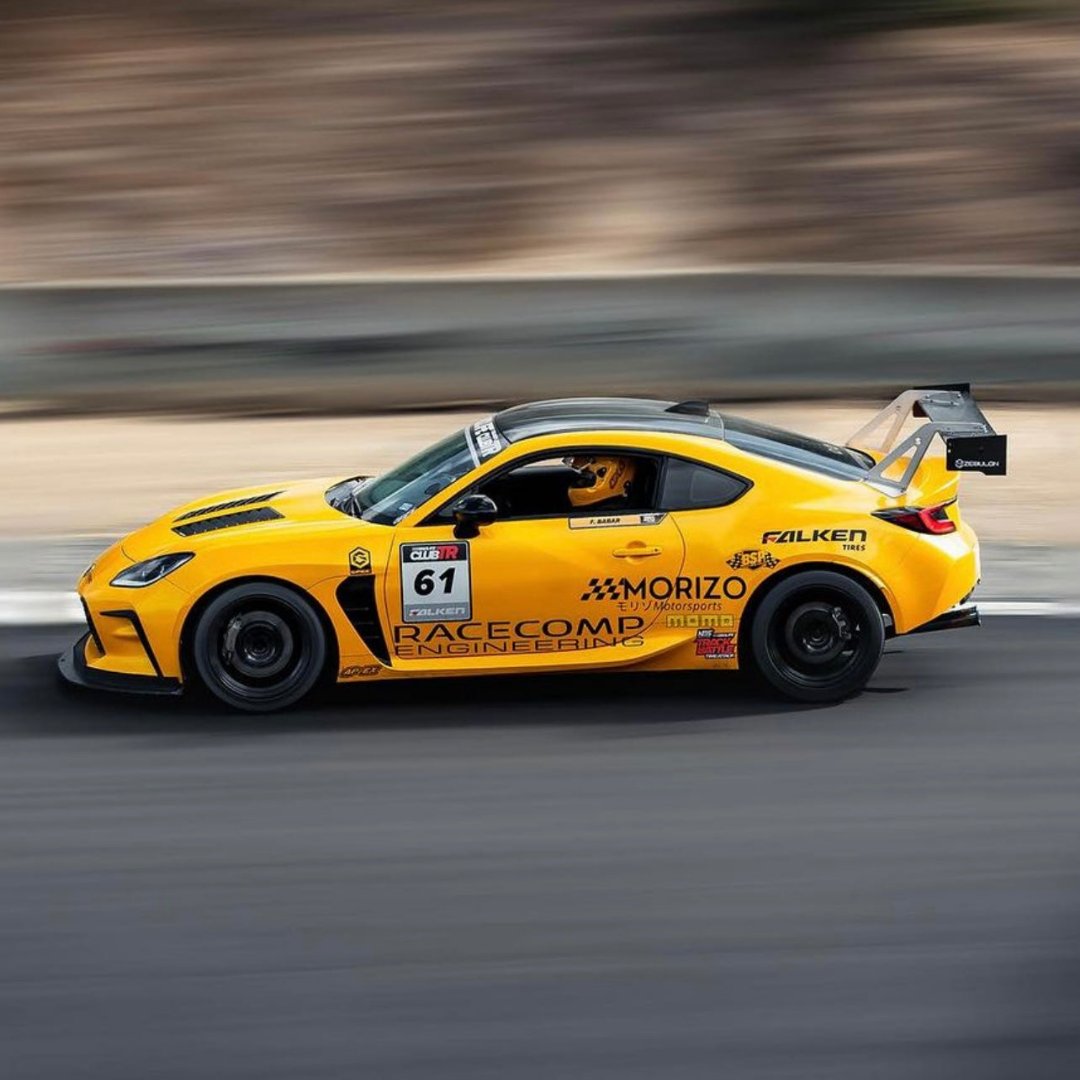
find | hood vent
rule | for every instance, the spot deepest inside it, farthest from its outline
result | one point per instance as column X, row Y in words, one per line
column 235, row 504
column 228, row 521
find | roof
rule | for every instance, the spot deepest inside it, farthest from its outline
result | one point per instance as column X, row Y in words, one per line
column 604, row 414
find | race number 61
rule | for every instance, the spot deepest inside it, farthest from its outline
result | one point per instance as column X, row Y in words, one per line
column 436, row 585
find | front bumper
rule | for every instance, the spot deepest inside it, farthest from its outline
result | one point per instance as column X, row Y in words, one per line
column 74, row 668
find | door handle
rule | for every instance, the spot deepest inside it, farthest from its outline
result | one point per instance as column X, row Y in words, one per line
column 638, row 552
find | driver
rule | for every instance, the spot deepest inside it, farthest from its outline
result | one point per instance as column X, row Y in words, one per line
column 600, row 481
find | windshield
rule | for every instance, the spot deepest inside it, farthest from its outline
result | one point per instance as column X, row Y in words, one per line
column 802, row 450
column 386, row 499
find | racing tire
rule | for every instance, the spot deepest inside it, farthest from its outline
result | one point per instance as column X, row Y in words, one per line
column 817, row 637
column 259, row 647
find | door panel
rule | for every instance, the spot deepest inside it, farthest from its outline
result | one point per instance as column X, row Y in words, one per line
column 533, row 593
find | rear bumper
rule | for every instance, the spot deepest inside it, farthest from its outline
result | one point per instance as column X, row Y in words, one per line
column 74, row 668
column 956, row 618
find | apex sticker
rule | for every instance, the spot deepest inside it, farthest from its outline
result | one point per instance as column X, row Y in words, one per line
column 752, row 559
column 436, row 584
column 359, row 671
column 359, row 561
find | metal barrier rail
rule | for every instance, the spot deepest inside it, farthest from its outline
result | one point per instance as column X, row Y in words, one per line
column 352, row 345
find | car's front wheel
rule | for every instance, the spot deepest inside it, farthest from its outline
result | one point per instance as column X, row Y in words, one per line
column 259, row 647
column 817, row 636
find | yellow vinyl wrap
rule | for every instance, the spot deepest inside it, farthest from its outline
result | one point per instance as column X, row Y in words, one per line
column 656, row 591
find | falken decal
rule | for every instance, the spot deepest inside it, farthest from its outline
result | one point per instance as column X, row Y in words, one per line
column 611, row 521
column 359, row 561
column 814, row 536
column 752, row 559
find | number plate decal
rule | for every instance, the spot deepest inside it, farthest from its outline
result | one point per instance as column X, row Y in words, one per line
column 436, row 585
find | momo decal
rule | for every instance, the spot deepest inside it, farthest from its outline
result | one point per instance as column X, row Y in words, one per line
column 484, row 440
column 752, row 559
column 701, row 587
column 710, row 645
column 814, row 536
column 611, row 521
column 359, row 561
column 498, row 637
column 705, row 618
column 358, row 671
column 436, row 584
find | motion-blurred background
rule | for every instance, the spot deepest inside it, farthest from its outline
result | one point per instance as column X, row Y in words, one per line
column 244, row 241
column 267, row 136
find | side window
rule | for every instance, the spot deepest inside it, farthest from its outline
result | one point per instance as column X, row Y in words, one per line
column 692, row 486
column 558, row 486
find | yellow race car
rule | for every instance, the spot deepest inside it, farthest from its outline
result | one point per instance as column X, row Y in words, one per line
column 558, row 536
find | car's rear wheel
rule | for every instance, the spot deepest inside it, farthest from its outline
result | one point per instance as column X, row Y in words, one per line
column 259, row 647
column 817, row 637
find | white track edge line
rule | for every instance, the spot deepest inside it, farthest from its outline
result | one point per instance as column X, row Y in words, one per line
column 43, row 607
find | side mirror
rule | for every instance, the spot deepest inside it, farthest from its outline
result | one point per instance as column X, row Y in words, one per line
column 472, row 511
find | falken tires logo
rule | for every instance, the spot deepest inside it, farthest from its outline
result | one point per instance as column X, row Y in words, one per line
column 814, row 536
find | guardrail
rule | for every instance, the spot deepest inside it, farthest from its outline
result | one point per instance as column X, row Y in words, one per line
column 353, row 345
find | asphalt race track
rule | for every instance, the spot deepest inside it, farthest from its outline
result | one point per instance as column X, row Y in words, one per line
column 636, row 877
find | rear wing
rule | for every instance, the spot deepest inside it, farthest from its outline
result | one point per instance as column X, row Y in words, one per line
column 971, row 444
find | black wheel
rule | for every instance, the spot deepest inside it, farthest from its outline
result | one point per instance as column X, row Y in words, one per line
column 817, row 636
column 259, row 647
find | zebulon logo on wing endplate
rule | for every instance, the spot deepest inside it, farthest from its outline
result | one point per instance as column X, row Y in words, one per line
column 359, row 561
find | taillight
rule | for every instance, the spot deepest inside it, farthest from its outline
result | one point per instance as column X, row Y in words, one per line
column 931, row 519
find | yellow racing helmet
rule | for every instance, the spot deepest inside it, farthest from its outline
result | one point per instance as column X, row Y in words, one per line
column 599, row 478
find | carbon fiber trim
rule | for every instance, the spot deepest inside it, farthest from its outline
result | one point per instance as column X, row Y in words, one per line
column 217, row 508
column 228, row 521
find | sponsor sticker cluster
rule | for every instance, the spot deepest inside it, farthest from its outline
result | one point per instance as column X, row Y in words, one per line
column 436, row 584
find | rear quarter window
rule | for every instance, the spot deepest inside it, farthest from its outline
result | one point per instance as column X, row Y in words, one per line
column 689, row 485
column 776, row 444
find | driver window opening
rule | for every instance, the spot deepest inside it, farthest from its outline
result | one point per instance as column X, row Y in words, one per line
column 574, row 482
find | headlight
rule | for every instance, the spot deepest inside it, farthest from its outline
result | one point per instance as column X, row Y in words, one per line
column 146, row 573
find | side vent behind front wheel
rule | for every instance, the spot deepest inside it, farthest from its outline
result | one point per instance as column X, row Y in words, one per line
column 356, row 595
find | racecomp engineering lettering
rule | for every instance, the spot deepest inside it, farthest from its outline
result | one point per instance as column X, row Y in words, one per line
column 496, row 637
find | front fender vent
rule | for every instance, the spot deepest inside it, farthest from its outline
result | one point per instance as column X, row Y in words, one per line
column 356, row 595
column 235, row 504
column 228, row 521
